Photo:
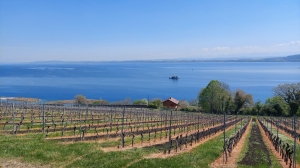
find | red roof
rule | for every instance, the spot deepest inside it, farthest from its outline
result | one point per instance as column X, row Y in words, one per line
column 172, row 100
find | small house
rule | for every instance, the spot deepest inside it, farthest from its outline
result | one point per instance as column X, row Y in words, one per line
column 171, row 103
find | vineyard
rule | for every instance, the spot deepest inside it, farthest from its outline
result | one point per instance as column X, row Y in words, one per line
column 141, row 137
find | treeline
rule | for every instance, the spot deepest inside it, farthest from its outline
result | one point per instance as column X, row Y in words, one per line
column 217, row 97
column 154, row 103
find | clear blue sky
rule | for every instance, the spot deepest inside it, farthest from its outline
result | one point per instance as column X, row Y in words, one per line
column 71, row 30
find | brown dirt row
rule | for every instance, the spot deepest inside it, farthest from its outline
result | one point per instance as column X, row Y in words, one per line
column 272, row 149
column 232, row 160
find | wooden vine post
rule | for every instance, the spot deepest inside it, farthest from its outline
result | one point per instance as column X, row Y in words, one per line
column 44, row 125
column 271, row 122
column 170, row 133
column 86, row 113
column 295, row 124
column 123, row 128
column 224, row 139
column 80, row 129
column 13, row 115
column 277, row 125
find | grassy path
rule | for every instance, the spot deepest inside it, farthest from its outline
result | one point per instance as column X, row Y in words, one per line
column 256, row 153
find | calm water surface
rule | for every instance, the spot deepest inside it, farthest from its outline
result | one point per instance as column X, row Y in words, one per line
column 119, row 80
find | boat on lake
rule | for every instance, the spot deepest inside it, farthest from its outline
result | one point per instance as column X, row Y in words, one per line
column 174, row 77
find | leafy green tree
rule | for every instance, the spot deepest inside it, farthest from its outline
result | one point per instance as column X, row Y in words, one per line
column 101, row 102
column 215, row 97
column 155, row 103
column 277, row 106
column 257, row 107
column 291, row 94
column 80, row 99
column 241, row 99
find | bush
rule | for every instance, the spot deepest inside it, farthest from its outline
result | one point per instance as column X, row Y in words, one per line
column 140, row 102
column 152, row 106
column 189, row 109
column 155, row 103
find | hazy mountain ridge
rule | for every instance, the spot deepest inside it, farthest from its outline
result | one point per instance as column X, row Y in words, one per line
column 290, row 58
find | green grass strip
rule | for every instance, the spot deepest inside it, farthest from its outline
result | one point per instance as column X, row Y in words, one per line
column 274, row 161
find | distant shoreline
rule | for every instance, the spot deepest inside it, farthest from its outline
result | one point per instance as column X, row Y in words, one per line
column 291, row 58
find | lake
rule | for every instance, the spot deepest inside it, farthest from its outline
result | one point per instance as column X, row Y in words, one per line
column 116, row 81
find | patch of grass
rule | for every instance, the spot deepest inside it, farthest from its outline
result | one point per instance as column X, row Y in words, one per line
column 274, row 161
column 111, row 159
column 43, row 152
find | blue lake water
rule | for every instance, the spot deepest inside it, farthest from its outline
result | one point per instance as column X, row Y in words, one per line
column 115, row 81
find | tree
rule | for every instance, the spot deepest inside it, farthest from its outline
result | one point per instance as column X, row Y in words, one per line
column 277, row 106
column 291, row 94
column 215, row 96
column 140, row 102
column 257, row 107
column 155, row 103
column 101, row 102
column 241, row 99
column 183, row 104
column 80, row 99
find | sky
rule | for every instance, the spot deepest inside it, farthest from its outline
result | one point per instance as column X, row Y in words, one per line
column 117, row 30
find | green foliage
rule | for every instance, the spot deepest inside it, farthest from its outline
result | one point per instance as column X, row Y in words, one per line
column 101, row 102
column 189, row 109
column 140, row 102
column 275, row 106
column 241, row 99
column 291, row 95
column 215, row 97
column 155, row 103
